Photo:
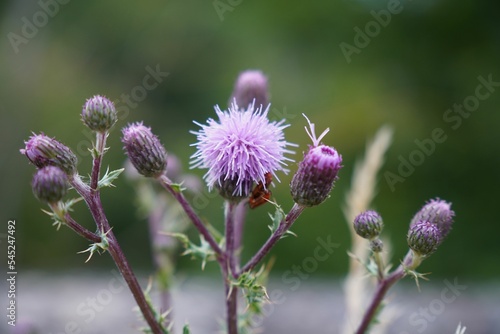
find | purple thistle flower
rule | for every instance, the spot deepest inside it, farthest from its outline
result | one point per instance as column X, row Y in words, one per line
column 317, row 172
column 437, row 212
column 251, row 85
column 240, row 149
column 50, row 184
column 144, row 150
column 99, row 114
column 42, row 151
column 424, row 238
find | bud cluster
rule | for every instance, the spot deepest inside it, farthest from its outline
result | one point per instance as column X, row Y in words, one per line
column 430, row 226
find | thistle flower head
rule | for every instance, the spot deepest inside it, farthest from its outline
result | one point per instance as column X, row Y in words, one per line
column 424, row 238
column 50, row 184
column 251, row 85
column 43, row 151
column 368, row 224
column 437, row 212
column 317, row 172
column 99, row 114
column 144, row 150
column 239, row 149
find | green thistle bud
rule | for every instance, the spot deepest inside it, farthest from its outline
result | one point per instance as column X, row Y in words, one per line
column 424, row 238
column 144, row 150
column 368, row 224
column 99, row 114
column 376, row 245
column 45, row 151
column 50, row 184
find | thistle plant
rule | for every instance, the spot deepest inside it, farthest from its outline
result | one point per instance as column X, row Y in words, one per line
column 244, row 155
column 426, row 232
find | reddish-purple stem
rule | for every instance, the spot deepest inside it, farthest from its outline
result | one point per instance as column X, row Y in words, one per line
column 382, row 288
column 165, row 182
column 284, row 226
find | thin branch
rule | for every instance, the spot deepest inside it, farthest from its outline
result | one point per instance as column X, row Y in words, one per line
column 382, row 288
column 284, row 226
column 165, row 182
column 79, row 229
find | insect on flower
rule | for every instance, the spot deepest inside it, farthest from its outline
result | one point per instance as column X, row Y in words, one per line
column 261, row 194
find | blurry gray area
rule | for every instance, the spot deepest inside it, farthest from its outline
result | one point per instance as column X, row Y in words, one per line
column 79, row 303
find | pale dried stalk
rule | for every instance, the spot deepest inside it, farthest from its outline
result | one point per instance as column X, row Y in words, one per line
column 358, row 199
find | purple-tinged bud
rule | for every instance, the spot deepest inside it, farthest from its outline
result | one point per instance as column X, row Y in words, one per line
column 99, row 114
column 43, row 151
column 368, row 224
column 251, row 85
column 50, row 184
column 437, row 212
column 314, row 179
column 144, row 150
column 424, row 238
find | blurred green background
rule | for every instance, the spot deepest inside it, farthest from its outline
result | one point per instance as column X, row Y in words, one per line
column 426, row 59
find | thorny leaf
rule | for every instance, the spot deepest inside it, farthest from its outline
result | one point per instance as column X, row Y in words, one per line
column 177, row 187
column 59, row 211
column 109, row 177
column 416, row 275
column 203, row 251
column 97, row 247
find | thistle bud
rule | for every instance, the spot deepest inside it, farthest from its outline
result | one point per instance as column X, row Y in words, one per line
column 368, row 224
column 317, row 172
column 376, row 245
column 251, row 85
column 144, row 150
column 50, row 184
column 45, row 151
column 424, row 238
column 438, row 213
column 99, row 114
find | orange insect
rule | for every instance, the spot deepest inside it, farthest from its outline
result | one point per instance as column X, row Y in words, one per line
column 260, row 194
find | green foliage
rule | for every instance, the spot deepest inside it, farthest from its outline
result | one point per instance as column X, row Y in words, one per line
column 203, row 251
column 97, row 247
column 109, row 177
column 253, row 288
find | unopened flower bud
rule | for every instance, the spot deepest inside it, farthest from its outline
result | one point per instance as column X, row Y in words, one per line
column 424, row 238
column 144, row 150
column 376, row 245
column 99, row 114
column 251, row 85
column 43, row 151
column 437, row 212
column 317, row 172
column 368, row 224
column 50, row 184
